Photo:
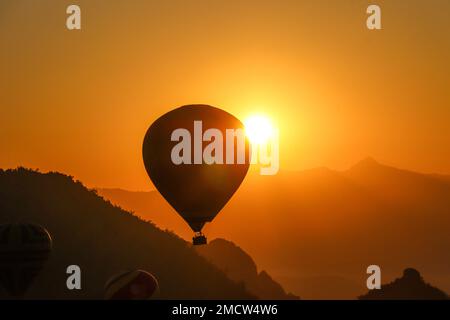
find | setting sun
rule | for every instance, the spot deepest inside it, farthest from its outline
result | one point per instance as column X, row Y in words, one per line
column 258, row 129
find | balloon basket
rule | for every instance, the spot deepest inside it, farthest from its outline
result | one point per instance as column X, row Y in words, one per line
column 199, row 239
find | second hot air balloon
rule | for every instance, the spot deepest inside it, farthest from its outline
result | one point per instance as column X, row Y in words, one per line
column 24, row 248
column 131, row 285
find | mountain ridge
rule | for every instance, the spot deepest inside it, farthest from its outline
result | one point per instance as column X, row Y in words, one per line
column 375, row 206
column 241, row 268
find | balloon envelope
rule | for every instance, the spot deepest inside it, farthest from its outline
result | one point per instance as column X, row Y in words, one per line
column 24, row 248
column 131, row 285
column 196, row 191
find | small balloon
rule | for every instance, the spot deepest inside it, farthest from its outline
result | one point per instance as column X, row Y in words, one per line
column 131, row 285
column 199, row 185
column 24, row 248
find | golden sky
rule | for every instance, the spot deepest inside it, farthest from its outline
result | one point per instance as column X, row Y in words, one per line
column 80, row 102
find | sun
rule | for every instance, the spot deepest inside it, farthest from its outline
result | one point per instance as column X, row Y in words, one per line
column 258, row 129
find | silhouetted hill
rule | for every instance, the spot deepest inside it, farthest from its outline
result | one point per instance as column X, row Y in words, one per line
column 241, row 268
column 316, row 231
column 441, row 177
column 410, row 286
column 103, row 240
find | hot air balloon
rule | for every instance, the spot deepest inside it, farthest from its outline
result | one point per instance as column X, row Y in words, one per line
column 197, row 187
column 131, row 285
column 24, row 248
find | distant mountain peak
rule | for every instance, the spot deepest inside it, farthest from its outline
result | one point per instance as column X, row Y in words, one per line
column 366, row 162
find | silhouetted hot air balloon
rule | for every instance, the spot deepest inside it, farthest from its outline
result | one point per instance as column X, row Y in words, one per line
column 197, row 191
column 24, row 248
column 131, row 285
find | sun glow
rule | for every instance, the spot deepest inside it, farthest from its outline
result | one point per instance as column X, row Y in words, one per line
column 258, row 129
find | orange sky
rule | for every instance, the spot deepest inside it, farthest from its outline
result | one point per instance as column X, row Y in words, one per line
column 81, row 102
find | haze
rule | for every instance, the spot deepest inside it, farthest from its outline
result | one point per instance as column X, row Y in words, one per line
column 80, row 102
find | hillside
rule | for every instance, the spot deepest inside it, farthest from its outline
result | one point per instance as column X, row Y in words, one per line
column 316, row 231
column 241, row 268
column 411, row 286
column 103, row 240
